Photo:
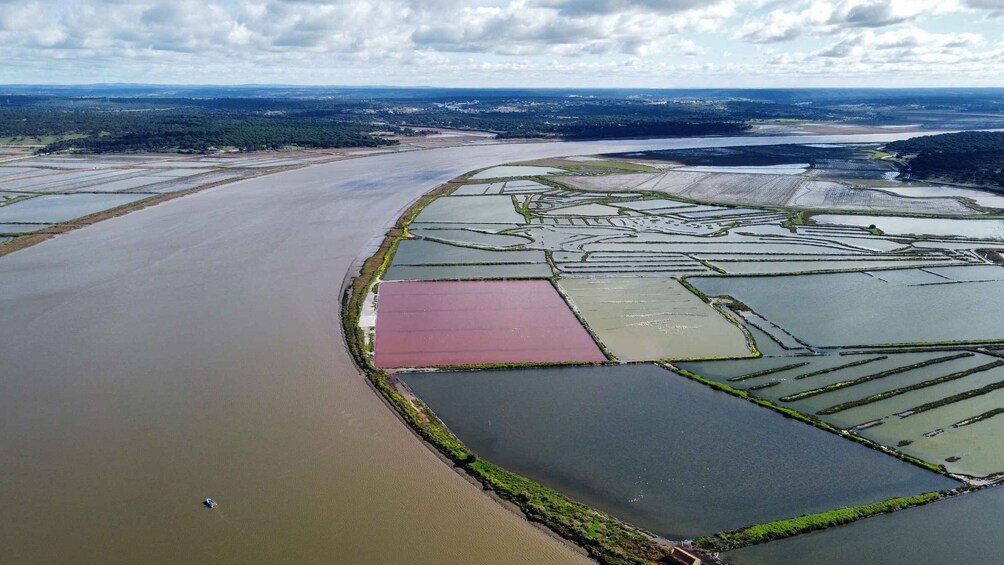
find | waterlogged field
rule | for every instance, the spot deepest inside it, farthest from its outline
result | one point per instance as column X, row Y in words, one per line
column 937, row 406
column 658, row 450
column 866, row 308
column 491, row 209
column 947, row 227
column 653, row 318
column 842, row 177
column 882, row 332
column 516, row 171
column 50, row 209
column 39, row 192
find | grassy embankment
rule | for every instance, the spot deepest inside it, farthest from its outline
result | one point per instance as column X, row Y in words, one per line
column 605, row 538
column 779, row 529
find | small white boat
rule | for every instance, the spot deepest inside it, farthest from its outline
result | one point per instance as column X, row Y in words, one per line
column 210, row 503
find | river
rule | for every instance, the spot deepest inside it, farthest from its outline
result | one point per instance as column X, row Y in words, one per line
column 193, row 349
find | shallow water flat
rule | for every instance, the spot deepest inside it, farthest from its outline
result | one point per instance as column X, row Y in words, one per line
column 658, row 450
column 792, row 267
column 467, row 272
column 975, row 449
column 516, row 171
column 478, row 189
column 837, row 368
column 423, row 252
column 722, row 371
column 62, row 207
column 655, row 204
column 193, row 182
column 983, row 229
column 889, row 407
column 653, row 318
column 894, row 430
column 585, row 210
column 471, row 209
column 471, row 237
column 138, row 184
column 944, row 364
column 981, row 197
column 859, row 309
column 974, row 273
column 699, row 246
column 829, row 195
column 792, row 169
column 10, row 171
column 22, row 228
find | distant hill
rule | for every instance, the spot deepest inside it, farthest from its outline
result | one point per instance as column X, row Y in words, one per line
column 973, row 158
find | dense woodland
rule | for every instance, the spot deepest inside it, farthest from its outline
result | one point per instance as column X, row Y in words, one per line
column 972, row 158
column 105, row 118
column 186, row 130
column 199, row 125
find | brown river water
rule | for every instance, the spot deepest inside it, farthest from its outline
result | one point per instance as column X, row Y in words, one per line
column 193, row 350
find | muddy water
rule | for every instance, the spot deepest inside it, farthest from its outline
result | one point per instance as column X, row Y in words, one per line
column 192, row 350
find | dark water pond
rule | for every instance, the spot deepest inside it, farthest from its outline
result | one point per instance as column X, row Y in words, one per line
column 658, row 450
column 959, row 530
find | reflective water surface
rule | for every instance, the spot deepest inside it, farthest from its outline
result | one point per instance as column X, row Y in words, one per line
column 193, row 350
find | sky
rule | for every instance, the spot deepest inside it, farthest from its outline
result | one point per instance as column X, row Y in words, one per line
column 498, row 43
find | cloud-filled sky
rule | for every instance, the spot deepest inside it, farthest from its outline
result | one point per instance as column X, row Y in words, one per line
column 601, row 43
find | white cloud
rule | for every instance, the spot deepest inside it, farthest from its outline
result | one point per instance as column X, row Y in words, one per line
column 788, row 21
column 517, row 42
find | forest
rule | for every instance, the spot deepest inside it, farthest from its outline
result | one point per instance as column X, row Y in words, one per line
column 973, row 158
column 109, row 118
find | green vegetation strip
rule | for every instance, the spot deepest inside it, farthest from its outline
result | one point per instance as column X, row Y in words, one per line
column 903, row 390
column 979, row 418
column 767, row 384
column 766, row 372
column 523, row 209
column 780, row 529
column 874, row 376
column 954, row 398
column 605, row 538
column 839, row 367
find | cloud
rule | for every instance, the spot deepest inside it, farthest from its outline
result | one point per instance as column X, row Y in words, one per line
column 577, row 8
column 994, row 8
column 895, row 53
column 788, row 21
column 516, row 42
